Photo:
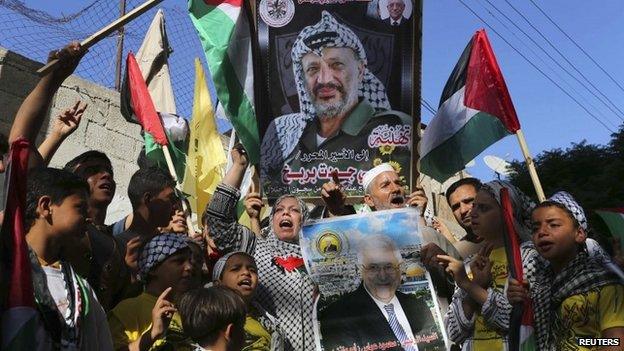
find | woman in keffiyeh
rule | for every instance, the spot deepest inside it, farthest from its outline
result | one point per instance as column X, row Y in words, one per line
column 571, row 281
column 478, row 317
column 284, row 289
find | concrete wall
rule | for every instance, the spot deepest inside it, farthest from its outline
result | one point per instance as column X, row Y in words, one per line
column 102, row 127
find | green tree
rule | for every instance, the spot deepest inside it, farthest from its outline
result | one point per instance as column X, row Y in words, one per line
column 593, row 174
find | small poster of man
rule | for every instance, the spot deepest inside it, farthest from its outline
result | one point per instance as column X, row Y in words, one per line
column 375, row 293
column 339, row 93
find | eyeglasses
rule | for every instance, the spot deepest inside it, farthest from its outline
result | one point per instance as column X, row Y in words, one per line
column 377, row 268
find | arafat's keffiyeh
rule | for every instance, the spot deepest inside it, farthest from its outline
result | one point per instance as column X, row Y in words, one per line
column 328, row 33
column 285, row 131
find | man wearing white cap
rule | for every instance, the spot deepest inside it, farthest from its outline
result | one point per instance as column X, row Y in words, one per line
column 384, row 190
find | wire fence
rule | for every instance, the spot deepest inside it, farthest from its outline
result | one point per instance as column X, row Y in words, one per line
column 34, row 33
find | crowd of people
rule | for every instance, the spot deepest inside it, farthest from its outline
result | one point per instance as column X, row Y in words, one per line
column 144, row 283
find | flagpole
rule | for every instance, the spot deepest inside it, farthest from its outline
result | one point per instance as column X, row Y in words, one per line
column 104, row 32
column 189, row 223
column 531, row 166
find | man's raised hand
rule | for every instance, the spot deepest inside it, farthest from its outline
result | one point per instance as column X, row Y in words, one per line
column 333, row 195
column 69, row 58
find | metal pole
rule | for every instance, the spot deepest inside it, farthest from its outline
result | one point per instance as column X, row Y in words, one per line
column 417, row 15
column 120, row 39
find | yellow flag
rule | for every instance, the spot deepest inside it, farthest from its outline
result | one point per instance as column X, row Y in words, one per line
column 206, row 159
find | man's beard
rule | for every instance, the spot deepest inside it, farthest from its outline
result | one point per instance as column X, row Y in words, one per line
column 334, row 109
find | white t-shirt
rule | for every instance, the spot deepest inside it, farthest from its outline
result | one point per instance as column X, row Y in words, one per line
column 58, row 289
column 94, row 329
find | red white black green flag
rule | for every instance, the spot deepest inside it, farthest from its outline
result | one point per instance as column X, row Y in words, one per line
column 475, row 111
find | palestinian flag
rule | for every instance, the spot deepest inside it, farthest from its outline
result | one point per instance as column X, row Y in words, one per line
column 521, row 322
column 224, row 32
column 475, row 111
column 137, row 104
column 18, row 306
column 614, row 218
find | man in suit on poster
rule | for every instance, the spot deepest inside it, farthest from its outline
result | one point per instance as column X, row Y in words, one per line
column 376, row 313
column 395, row 11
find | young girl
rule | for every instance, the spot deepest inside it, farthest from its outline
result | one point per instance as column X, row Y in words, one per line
column 238, row 271
column 574, row 295
column 478, row 317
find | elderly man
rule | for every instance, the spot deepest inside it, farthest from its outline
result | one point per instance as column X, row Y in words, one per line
column 344, row 123
column 395, row 10
column 376, row 313
column 384, row 190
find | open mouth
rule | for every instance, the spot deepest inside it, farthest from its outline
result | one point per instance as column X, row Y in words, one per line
column 286, row 224
column 397, row 200
column 245, row 283
column 545, row 246
column 106, row 186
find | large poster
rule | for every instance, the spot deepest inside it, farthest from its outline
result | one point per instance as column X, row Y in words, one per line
column 375, row 293
column 338, row 91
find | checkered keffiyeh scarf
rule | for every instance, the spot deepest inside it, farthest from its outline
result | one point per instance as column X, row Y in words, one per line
column 284, row 132
column 328, row 33
column 586, row 272
column 547, row 290
column 575, row 209
column 158, row 250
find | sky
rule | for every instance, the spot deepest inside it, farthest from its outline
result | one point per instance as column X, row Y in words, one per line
column 548, row 117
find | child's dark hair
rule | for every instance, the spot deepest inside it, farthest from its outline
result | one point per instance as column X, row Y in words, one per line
column 150, row 180
column 87, row 156
column 476, row 183
column 549, row 203
column 58, row 184
column 207, row 311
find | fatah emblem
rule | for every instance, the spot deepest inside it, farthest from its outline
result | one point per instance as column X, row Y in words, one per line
column 277, row 13
column 329, row 244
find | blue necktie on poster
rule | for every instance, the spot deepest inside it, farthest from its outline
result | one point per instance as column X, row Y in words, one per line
column 397, row 329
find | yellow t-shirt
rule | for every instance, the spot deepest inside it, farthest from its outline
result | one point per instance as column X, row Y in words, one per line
column 133, row 317
column 257, row 338
column 588, row 314
column 484, row 337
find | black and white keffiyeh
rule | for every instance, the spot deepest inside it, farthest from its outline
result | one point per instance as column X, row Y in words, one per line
column 284, row 132
column 328, row 33
column 589, row 270
column 159, row 249
column 548, row 290
column 573, row 207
